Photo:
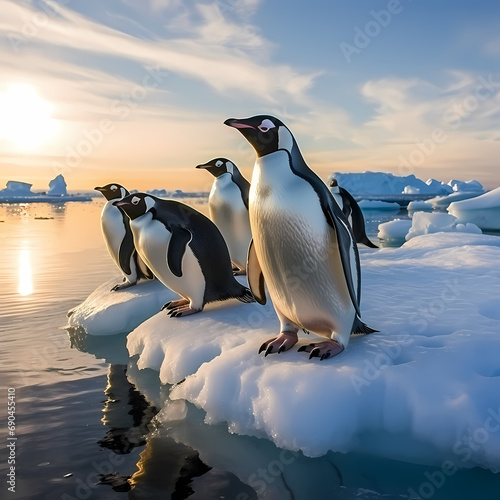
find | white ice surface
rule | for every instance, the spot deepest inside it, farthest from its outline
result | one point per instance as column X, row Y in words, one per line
column 484, row 210
column 413, row 206
column 442, row 202
column 109, row 313
column 394, row 230
column 424, row 389
column 425, row 223
column 379, row 205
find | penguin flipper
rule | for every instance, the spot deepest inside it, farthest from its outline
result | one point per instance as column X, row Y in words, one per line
column 176, row 248
column 345, row 240
column 358, row 221
column 255, row 276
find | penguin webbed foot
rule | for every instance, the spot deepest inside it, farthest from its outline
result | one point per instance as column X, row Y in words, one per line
column 279, row 344
column 322, row 350
column 174, row 303
column 183, row 310
column 122, row 286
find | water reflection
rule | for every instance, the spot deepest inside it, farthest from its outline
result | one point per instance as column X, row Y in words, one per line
column 25, row 273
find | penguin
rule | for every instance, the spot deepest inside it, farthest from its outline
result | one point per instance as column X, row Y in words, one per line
column 119, row 240
column 228, row 208
column 185, row 251
column 302, row 247
column 352, row 212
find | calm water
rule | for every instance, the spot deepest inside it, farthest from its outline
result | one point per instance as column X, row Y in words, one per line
column 85, row 415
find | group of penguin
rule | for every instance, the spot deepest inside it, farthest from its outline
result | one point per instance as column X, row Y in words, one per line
column 286, row 230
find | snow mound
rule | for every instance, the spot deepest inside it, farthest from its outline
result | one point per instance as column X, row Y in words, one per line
column 383, row 183
column 394, row 230
column 442, row 202
column 423, row 390
column 379, row 205
column 110, row 313
column 426, row 223
column 413, row 206
column 484, row 210
column 57, row 186
column 411, row 190
column 466, row 186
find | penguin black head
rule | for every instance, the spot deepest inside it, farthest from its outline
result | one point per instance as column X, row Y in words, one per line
column 112, row 191
column 218, row 166
column 334, row 183
column 135, row 205
column 265, row 133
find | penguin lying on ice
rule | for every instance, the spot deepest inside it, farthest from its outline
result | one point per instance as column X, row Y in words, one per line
column 228, row 208
column 352, row 212
column 185, row 251
column 302, row 248
column 118, row 238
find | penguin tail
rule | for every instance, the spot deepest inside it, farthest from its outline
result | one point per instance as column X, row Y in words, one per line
column 368, row 243
column 359, row 327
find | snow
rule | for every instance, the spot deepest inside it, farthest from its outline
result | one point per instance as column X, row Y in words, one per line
column 484, row 210
column 394, row 231
column 425, row 223
column 110, row 313
column 413, row 206
column 383, row 183
column 442, row 202
column 378, row 205
column 57, row 186
column 411, row 190
column 423, row 390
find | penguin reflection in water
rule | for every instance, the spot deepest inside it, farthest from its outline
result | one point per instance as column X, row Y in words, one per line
column 185, row 251
column 118, row 237
column 228, row 207
column 303, row 247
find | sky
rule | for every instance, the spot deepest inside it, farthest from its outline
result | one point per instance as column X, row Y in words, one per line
column 137, row 92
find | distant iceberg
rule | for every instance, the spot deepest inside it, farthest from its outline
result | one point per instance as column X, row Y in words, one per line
column 363, row 184
column 20, row 192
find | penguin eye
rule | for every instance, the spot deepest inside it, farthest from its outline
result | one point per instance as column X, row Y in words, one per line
column 135, row 200
column 266, row 125
column 113, row 188
column 219, row 163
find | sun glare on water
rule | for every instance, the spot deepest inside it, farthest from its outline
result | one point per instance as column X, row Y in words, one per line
column 25, row 117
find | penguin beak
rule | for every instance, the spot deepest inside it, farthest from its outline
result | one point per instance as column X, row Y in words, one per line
column 237, row 123
column 100, row 189
column 206, row 165
column 121, row 203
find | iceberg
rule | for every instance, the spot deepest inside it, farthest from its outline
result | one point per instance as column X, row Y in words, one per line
column 422, row 390
column 484, row 210
column 57, row 186
column 383, row 183
column 394, row 231
column 20, row 192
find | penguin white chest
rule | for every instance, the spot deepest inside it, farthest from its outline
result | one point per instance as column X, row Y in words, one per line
column 230, row 215
column 113, row 228
column 152, row 239
column 297, row 249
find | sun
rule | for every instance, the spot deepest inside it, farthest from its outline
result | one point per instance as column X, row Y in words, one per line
column 25, row 118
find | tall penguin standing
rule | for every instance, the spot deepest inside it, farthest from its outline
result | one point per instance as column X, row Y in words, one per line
column 302, row 246
column 228, row 208
column 185, row 251
column 352, row 213
column 118, row 237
